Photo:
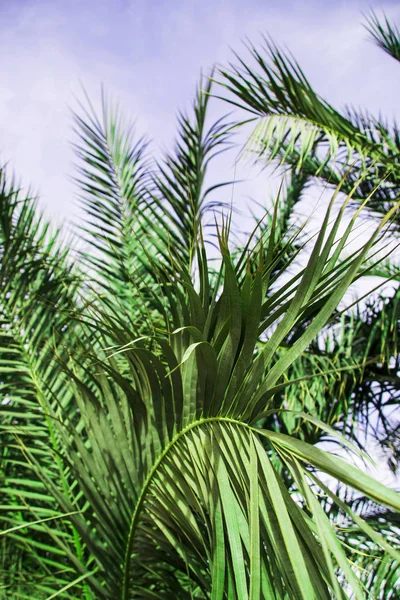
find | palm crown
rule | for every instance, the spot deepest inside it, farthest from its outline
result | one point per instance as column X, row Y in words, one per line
column 160, row 416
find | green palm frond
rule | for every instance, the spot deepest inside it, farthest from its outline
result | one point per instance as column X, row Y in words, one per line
column 376, row 568
column 289, row 234
column 386, row 35
column 301, row 129
column 383, row 192
column 347, row 379
column 288, row 108
column 138, row 210
column 182, row 196
column 38, row 296
column 390, row 442
column 115, row 183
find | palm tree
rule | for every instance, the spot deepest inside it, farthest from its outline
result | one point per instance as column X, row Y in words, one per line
column 141, row 456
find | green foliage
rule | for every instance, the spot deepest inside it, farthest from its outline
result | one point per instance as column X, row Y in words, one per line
column 160, row 418
column 313, row 141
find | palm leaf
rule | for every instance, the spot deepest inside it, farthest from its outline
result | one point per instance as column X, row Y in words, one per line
column 386, row 35
column 39, row 292
column 297, row 126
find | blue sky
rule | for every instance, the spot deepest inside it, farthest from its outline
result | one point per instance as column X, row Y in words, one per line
column 149, row 56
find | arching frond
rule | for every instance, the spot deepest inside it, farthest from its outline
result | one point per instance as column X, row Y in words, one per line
column 297, row 126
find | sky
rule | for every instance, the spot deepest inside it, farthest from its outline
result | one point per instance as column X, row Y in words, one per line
column 149, row 55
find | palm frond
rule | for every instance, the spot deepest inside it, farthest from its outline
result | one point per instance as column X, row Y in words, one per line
column 182, row 198
column 115, row 183
column 386, row 35
column 139, row 213
column 301, row 129
column 38, row 296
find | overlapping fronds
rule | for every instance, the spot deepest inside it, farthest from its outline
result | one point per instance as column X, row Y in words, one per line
column 355, row 366
column 297, row 126
column 306, row 134
column 114, row 181
column 138, row 210
column 38, row 295
column 176, row 482
column 289, row 111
